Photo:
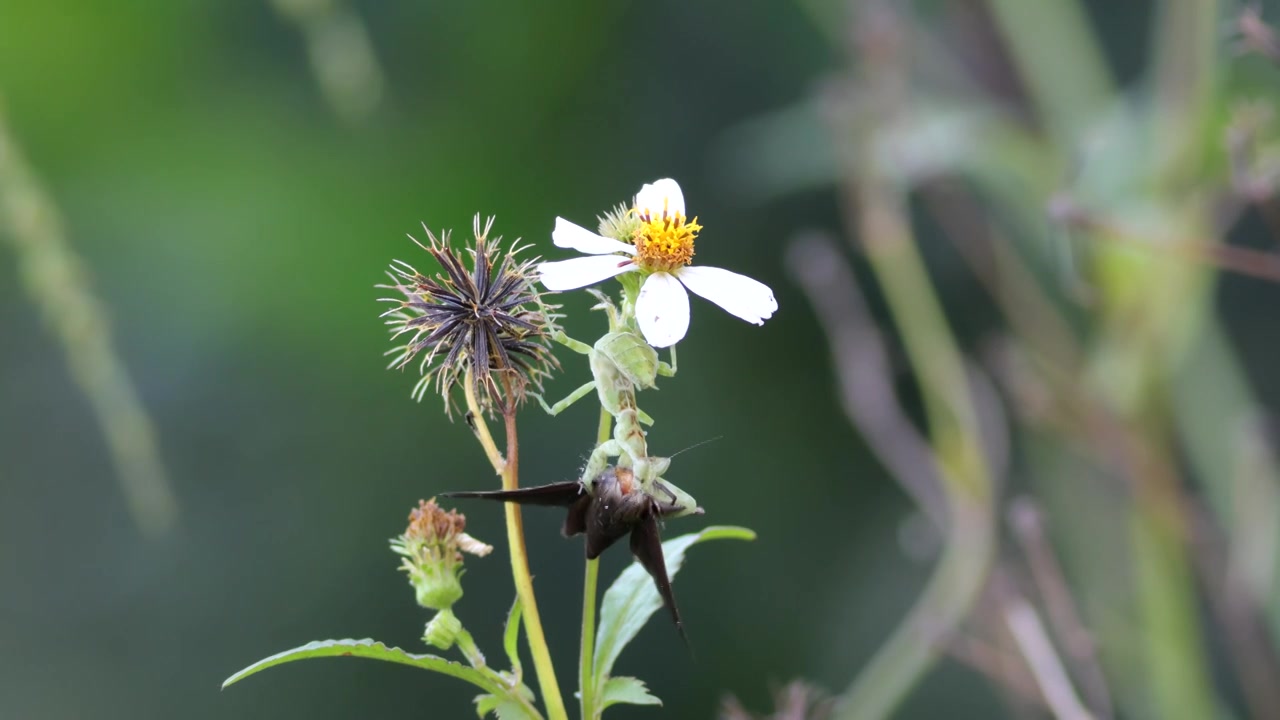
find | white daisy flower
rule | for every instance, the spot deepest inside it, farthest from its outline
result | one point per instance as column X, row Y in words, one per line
column 662, row 249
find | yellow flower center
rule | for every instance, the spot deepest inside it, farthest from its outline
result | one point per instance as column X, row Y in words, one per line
column 664, row 243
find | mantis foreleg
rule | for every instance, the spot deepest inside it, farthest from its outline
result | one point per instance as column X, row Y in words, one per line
column 599, row 459
column 572, row 398
column 575, row 345
column 668, row 370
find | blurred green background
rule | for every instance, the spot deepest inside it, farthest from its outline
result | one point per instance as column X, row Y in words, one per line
column 234, row 220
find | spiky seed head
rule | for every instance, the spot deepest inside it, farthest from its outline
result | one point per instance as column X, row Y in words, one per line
column 482, row 313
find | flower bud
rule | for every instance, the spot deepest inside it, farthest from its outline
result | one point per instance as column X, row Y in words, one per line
column 622, row 224
column 432, row 547
column 443, row 630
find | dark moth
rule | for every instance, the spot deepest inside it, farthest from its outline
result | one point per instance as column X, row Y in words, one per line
column 614, row 506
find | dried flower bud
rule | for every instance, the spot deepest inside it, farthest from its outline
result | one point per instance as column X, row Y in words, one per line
column 432, row 547
column 489, row 320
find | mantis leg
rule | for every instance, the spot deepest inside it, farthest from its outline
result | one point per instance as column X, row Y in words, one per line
column 643, row 417
column 607, row 305
column 599, row 460
column 573, row 397
column 666, row 370
column 575, row 345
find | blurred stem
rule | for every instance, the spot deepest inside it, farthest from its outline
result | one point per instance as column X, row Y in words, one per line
column 58, row 283
column 586, row 655
column 1027, row 524
column 1056, row 55
column 1225, row 433
column 957, row 447
column 1174, row 657
column 1060, row 62
column 341, row 53
column 1050, row 674
column 1185, row 79
column 509, row 471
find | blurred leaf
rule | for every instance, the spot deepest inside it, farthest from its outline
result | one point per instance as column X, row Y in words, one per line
column 632, row 599
column 626, row 690
column 511, row 638
column 778, row 153
column 368, row 649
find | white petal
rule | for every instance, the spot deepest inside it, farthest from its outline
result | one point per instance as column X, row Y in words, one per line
column 568, row 235
column 738, row 294
column 662, row 310
column 583, row 271
column 658, row 197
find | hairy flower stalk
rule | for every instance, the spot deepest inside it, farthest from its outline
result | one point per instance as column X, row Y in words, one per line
column 487, row 319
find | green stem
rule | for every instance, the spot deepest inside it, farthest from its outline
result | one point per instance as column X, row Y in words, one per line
column 509, row 470
column 524, row 582
column 470, row 650
column 586, row 661
column 586, row 657
column 1058, row 58
column 957, row 449
column 467, row 645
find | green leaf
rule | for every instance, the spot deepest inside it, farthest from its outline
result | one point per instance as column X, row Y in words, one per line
column 486, row 704
column 632, row 599
column 506, row 708
column 369, row 649
column 626, row 690
column 511, row 638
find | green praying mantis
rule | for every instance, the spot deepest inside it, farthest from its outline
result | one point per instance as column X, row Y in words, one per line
column 621, row 364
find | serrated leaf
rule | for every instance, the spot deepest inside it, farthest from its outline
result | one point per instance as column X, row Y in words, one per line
column 368, row 649
column 511, row 638
column 486, row 704
column 626, row 690
column 505, row 708
column 632, row 599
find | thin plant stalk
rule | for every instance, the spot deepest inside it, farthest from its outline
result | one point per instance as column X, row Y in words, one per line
column 1051, row 676
column 586, row 656
column 342, row 57
column 957, row 447
column 58, row 283
column 509, row 470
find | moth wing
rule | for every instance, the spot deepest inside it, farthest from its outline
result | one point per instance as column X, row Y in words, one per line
column 646, row 545
column 563, row 494
column 601, row 537
column 576, row 521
